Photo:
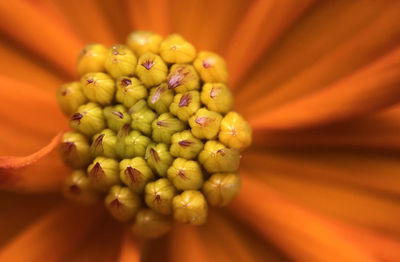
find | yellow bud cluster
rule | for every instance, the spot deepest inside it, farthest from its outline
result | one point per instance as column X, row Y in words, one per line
column 153, row 132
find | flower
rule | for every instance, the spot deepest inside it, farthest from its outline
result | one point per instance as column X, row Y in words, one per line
column 317, row 80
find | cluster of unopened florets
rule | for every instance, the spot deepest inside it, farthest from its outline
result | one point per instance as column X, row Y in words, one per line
column 153, row 132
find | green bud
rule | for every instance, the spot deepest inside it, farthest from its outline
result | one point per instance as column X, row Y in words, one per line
column 122, row 203
column 205, row 124
column 217, row 158
column 70, row 96
column 165, row 126
column 217, row 97
column 185, row 105
column 104, row 144
column 220, row 189
column 160, row 98
column 103, row 173
column 185, row 145
column 150, row 224
column 98, row 87
column 151, row 69
column 235, row 132
column 92, row 58
column 116, row 116
column 129, row 91
column 131, row 144
column 135, row 173
column 190, row 207
column 74, row 150
column 88, row 119
column 77, row 188
column 175, row 49
column 142, row 117
column 158, row 158
column 144, row 41
column 183, row 78
column 185, row 174
column 211, row 67
column 120, row 61
column 159, row 195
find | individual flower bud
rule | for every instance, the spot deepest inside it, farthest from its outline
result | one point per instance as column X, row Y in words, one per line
column 220, row 189
column 142, row 117
column 211, row 67
column 160, row 98
column 183, row 78
column 88, row 119
column 122, row 203
column 120, row 61
column 98, row 87
column 205, row 124
column 217, row 97
column 175, row 49
column 143, row 41
column 103, row 173
column 159, row 195
column 190, row 207
column 217, row 158
column 116, row 116
column 150, row 224
column 77, row 188
column 151, row 69
column 135, row 173
column 158, row 158
column 131, row 144
column 92, row 58
column 104, row 144
column 129, row 91
column 74, row 150
column 185, row 105
column 235, row 132
column 185, row 174
column 185, row 145
column 70, row 96
column 165, row 126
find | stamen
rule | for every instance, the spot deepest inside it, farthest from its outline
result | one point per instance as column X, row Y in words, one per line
column 185, row 143
column 185, row 100
column 148, row 64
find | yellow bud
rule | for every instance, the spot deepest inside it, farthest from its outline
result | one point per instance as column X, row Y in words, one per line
column 220, row 189
column 175, row 49
column 74, row 150
column 185, row 145
column 205, row 124
column 151, row 69
column 159, row 195
column 165, row 126
column 129, row 91
column 217, row 97
column 103, row 173
column 92, row 58
column 190, row 207
column 144, row 41
column 122, row 203
column 183, row 78
column 77, row 188
column 104, row 144
column 211, row 67
column 116, row 116
column 185, row 174
column 160, row 98
column 217, row 158
column 150, row 224
column 131, row 144
column 135, row 173
column 158, row 158
column 98, row 87
column 120, row 61
column 88, row 119
column 142, row 117
column 235, row 132
column 70, row 96
column 185, row 105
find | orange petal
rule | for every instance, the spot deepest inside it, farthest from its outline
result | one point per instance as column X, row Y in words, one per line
column 53, row 236
column 129, row 249
column 118, row 18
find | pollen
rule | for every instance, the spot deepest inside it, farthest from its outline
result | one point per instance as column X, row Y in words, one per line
column 153, row 133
